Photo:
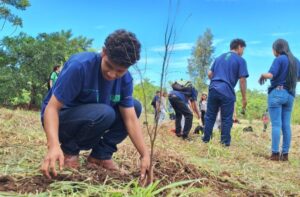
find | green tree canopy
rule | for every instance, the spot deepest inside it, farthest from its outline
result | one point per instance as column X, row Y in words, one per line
column 150, row 90
column 200, row 60
column 29, row 61
column 6, row 14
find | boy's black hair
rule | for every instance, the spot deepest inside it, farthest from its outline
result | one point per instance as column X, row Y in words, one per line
column 123, row 48
column 234, row 44
column 55, row 68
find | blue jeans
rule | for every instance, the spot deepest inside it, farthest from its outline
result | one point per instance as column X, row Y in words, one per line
column 216, row 101
column 280, row 104
column 93, row 126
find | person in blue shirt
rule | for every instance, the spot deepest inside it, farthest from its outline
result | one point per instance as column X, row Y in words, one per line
column 284, row 74
column 226, row 71
column 91, row 107
column 180, row 102
column 153, row 103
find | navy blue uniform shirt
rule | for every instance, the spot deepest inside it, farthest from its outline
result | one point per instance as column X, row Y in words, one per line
column 227, row 70
column 184, row 97
column 279, row 69
column 81, row 82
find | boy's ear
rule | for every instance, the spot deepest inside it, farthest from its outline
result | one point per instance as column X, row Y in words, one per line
column 103, row 51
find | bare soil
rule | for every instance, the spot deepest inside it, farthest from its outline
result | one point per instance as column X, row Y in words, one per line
column 168, row 169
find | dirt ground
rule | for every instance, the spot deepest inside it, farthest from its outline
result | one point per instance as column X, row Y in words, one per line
column 168, row 169
column 223, row 172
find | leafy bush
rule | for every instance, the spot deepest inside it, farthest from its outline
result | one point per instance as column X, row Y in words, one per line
column 258, row 103
column 23, row 99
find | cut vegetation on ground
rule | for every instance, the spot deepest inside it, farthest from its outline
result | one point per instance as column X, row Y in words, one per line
column 182, row 168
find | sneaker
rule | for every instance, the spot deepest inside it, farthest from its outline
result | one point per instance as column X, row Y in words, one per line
column 71, row 161
column 185, row 137
column 275, row 157
column 284, row 157
column 248, row 129
column 199, row 129
column 205, row 141
column 178, row 134
column 224, row 144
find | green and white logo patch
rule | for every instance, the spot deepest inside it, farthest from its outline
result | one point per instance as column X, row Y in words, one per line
column 115, row 98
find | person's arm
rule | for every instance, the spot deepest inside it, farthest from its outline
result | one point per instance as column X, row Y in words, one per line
column 273, row 72
column 135, row 133
column 195, row 109
column 157, row 104
column 210, row 74
column 243, row 87
column 165, row 105
column 189, row 105
column 263, row 78
column 234, row 112
column 51, row 79
column 298, row 64
column 51, row 122
column 51, row 83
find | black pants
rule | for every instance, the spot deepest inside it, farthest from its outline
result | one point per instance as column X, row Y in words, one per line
column 181, row 109
column 155, row 114
column 203, row 117
column 265, row 127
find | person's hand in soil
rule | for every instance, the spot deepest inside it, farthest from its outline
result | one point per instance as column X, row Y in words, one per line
column 49, row 163
column 146, row 174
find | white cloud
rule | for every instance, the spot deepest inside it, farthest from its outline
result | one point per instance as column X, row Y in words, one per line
column 154, row 63
column 178, row 63
column 218, row 41
column 175, row 47
column 183, row 46
column 150, row 60
column 276, row 34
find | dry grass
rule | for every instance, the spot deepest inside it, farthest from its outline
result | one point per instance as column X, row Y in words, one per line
column 241, row 170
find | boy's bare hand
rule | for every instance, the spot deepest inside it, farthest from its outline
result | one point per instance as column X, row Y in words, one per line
column 146, row 175
column 49, row 162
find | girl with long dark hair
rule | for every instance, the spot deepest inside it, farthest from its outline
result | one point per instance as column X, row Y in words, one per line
column 203, row 107
column 284, row 74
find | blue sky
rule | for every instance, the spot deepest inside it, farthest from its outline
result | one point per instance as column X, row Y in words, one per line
column 258, row 22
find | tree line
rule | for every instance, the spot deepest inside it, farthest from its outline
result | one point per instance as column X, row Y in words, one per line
column 26, row 62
